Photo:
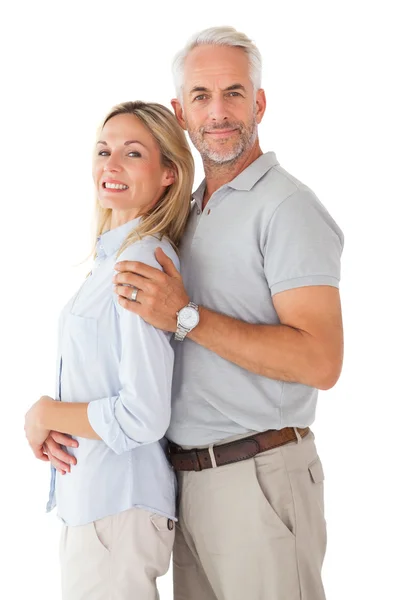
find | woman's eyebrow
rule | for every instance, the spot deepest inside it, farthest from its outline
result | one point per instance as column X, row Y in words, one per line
column 134, row 142
column 127, row 143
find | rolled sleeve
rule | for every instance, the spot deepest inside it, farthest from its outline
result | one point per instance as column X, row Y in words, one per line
column 304, row 245
column 141, row 412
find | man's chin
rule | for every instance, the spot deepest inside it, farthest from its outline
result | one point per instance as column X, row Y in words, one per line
column 222, row 158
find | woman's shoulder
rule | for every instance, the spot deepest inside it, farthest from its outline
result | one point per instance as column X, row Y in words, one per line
column 143, row 251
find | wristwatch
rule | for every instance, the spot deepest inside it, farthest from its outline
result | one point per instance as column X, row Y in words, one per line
column 188, row 318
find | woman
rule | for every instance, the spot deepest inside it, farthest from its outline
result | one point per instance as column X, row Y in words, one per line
column 117, row 501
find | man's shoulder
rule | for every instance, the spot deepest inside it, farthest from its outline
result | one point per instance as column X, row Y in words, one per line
column 278, row 188
column 280, row 184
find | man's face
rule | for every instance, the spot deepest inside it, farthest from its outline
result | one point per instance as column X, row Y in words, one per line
column 219, row 107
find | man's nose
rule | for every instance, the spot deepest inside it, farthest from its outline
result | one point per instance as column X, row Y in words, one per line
column 217, row 110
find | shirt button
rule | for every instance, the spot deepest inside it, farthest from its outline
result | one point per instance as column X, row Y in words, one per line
column 198, row 211
column 101, row 248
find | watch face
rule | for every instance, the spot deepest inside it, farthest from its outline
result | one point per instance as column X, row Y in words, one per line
column 188, row 317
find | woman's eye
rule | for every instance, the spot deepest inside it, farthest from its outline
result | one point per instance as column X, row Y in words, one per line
column 134, row 154
column 103, row 153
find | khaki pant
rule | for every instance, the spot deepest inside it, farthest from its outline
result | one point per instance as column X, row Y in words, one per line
column 253, row 530
column 116, row 558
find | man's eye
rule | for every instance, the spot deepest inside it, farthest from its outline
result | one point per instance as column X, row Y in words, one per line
column 234, row 94
column 200, row 97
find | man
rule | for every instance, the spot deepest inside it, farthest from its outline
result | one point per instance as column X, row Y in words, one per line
column 258, row 327
column 258, row 331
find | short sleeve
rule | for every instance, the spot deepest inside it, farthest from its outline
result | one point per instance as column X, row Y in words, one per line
column 303, row 246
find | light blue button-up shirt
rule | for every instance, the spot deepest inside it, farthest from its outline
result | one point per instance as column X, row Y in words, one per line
column 122, row 366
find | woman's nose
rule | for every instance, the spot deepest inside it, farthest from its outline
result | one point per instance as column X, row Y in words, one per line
column 112, row 165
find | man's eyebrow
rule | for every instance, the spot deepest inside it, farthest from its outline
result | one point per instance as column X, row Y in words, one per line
column 235, row 86
column 230, row 88
column 125, row 143
column 198, row 88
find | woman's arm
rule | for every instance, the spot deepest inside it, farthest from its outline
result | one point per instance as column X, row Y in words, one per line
column 140, row 413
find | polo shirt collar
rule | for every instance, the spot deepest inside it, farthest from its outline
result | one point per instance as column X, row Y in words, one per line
column 253, row 173
column 246, row 179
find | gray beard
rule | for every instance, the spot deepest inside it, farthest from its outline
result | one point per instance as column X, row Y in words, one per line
column 246, row 140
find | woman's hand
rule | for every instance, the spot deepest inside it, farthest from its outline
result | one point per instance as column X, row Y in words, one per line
column 59, row 458
column 35, row 432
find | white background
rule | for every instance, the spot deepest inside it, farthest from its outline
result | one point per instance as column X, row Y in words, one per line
column 330, row 74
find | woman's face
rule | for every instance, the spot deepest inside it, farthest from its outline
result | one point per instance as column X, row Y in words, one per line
column 127, row 169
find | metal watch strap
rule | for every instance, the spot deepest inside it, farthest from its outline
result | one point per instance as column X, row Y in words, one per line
column 181, row 332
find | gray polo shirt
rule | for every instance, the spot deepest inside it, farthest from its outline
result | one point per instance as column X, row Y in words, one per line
column 263, row 233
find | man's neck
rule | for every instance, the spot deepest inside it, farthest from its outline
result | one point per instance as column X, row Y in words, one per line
column 219, row 175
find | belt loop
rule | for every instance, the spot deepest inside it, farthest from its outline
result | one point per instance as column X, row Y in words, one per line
column 212, row 456
column 299, row 438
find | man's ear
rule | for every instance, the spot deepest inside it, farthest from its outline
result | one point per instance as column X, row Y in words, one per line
column 261, row 105
column 178, row 110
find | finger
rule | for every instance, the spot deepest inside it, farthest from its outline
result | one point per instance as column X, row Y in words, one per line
column 63, row 439
column 126, row 292
column 140, row 268
column 55, row 450
column 134, row 307
column 38, row 452
column 59, row 464
column 131, row 279
column 166, row 263
column 44, row 458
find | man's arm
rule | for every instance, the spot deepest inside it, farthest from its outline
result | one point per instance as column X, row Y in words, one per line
column 306, row 347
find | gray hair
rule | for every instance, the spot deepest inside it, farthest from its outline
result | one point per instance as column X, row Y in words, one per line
column 219, row 36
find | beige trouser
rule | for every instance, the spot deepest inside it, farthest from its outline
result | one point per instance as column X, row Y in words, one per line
column 253, row 530
column 116, row 558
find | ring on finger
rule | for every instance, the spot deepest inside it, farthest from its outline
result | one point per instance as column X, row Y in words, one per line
column 134, row 294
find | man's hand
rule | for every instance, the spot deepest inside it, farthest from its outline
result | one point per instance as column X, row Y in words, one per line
column 59, row 458
column 160, row 295
column 35, row 433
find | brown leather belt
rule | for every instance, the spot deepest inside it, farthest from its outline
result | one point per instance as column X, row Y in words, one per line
column 225, row 454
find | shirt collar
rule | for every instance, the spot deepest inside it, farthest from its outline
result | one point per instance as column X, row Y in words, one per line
column 246, row 179
column 109, row 243
column 253, row 173
column 199, row 194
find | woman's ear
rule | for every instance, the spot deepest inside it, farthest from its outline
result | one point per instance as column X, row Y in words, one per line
column 169, row 177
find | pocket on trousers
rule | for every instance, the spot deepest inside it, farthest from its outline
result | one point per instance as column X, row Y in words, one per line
column 317, row 481
column 316, row 471
column 277, row 496
column 102, row 533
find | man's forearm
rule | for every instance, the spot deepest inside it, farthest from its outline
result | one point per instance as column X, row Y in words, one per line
column 275, row 351
column 67, row 417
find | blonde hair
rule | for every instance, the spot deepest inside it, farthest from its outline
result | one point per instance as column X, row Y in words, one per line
column 169, row 215
column 219, row 36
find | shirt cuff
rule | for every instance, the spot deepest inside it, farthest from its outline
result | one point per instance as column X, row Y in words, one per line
column 306, row 281
column 101, row 415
